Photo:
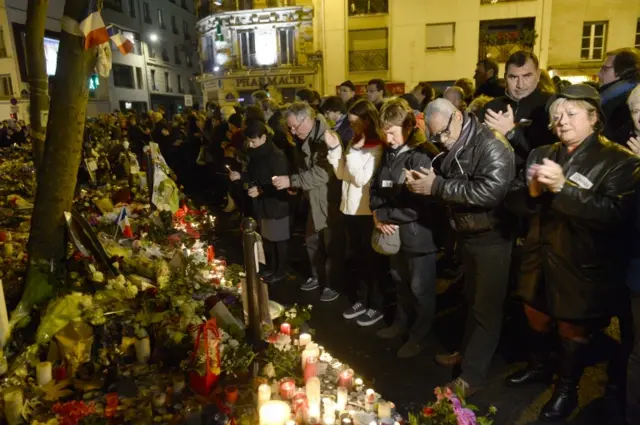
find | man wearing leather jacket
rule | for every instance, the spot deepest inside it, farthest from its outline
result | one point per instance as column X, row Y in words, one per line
column 520, row 114
column 472, row 178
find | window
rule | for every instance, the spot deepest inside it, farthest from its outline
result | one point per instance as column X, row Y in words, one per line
column 176, row 54
column 638, row 34
column 167, row 83
column 185, row 30
column 210, row 50
column 192, row 87
column 247, row 48
column 113, row 5
column 594, row 40
column 368, row 7
column 6, row 89
column 441, row 36
column 174, row 25
column 165, row 55
column 146, row 12
column 123, row 76
column 139, row 77
column 187, row 58
column 368, row 50
column 153, row 80
column 161, row 20
column 3, row 48
column 132, row 8
column 287, row 46
column 180, row 88
column 152, row 51
column 183, row 3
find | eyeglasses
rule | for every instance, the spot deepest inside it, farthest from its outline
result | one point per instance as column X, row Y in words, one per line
column 604, row 67
column 295, row 128
column 437, row 138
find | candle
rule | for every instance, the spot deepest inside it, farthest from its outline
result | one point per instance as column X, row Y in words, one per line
column 4, row 318
column 285, row 328
column 143, row 350
column 384, row 409
column 314, row 412
column 287, row 388
column 159, row 399
column 275, row 412
column 369, row 400
column 44, row 373
column 231, row 394
column 359, row 384
column 264, row 394
column 313, row 394
column 304, row 339
column 329, row 419
column 178, row 384
column 13, row 403
column 290, row 422
column 311, row 350
column 345, row 379
column 346, row 421
column 310, row 368
column 329, row 406
column 343, row 396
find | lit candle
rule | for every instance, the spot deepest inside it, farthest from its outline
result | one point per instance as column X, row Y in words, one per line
column 275, row 412
column 369, row 400
column 43, row 373
column 287, row 388
column 329, row 407
column 343, row 396
column 4, row 318
column 304, row 339
column 345, row 379
column 314, row 412
column 329, row 419
column 290, row 422
column 359, row 384
column 346, row 421
column 384, row 409
column 310, row 368
column 285, row 328
column 143, row 350
column 313, row 394
column 264, row 394
column 13, row 404
column 311, row 350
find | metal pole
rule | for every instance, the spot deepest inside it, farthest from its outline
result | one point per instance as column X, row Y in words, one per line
column 249, row 240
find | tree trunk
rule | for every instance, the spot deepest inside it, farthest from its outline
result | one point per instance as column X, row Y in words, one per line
column 37, row 72
column 57, row 179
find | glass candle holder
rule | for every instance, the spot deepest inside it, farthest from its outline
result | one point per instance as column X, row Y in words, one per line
column 287, row 388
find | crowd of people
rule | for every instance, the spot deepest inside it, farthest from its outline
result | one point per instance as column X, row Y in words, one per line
column 525, row 180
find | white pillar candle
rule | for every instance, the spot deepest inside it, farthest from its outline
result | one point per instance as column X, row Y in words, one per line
column 264, row 394
column 275, row 412
column 290, row 422
column 384, row 409
column 43, row 373
column 343, row 396
column 143, row 350
column 311, row 350
column 313, row 393
column 4, row 318
column 314, row 412
column 13, row 404
column 304, row 339
column 369, row 400
column 329, row 420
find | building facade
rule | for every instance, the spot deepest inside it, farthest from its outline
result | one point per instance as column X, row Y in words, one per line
column 159, row 71
column 261, row 44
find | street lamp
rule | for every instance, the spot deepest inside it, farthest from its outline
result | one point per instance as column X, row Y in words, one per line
column 153, row 37
column 216, row 68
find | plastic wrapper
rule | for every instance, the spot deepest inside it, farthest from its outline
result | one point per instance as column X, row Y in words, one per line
column 74, row 344
column 59, row 313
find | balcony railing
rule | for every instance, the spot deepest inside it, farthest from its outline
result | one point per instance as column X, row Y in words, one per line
column 499, row 1
column 208, row 7
column 500, row 52
column 368, row 60
column 368, row 7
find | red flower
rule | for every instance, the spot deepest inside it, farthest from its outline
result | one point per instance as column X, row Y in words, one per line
column 428, row 411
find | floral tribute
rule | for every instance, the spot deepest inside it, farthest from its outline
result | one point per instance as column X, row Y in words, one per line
column 450, row 409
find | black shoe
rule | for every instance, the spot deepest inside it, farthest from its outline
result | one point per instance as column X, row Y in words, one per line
column 563, row 402
column 266, row 273
column 276, row 277
column 533, row 373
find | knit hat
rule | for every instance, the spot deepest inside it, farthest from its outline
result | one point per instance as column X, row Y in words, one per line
column 349, row 84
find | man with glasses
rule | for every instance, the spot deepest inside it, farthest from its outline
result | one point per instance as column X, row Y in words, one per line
column 472, row 177
column 325, row 234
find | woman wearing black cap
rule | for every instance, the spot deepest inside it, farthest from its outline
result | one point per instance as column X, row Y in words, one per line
column 578, row 194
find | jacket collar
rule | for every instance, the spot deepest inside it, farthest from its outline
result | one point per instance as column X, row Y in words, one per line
column 615, row 89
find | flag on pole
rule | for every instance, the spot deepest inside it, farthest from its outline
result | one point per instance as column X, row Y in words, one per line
column 92, row 26
column 124, row 44
column 123, row 222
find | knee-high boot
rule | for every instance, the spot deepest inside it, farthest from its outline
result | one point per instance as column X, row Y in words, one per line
column 281, row 261
column 565, row 394
column 539, row 368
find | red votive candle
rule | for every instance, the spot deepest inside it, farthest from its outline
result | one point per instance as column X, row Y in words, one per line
column 287, row 388
column 345, row 379
column 310, row 368
column 285, row 328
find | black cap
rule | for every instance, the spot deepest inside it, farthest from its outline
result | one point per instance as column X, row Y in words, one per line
column 349, row 84
column 579, row 92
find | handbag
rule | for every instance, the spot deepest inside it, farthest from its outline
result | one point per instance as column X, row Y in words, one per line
column 385, row 244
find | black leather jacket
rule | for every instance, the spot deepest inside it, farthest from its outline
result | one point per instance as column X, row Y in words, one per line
column 474, row 177
column 573, row 249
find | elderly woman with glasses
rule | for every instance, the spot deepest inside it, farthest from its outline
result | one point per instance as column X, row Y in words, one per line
column 578, row 194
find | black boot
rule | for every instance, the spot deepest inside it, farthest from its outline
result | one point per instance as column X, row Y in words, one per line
column 539, row 368
column 565, row 394
column 281, row 262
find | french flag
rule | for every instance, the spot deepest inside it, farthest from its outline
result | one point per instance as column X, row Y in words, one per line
column 92, row 26
column 124, row 44
column 123, row 222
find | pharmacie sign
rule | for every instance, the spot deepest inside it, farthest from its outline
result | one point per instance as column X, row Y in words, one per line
column 276, row 80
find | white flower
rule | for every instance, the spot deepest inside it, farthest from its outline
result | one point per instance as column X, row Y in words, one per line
column 283, row 342
column 269, row 371
column 233, row 343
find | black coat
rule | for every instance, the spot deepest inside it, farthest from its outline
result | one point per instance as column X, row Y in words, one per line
column 614, row 106
column 265, row 162
column 491, row 88
column 393, row 203
column 572, row 255
column 473, row 178
column 532, row 122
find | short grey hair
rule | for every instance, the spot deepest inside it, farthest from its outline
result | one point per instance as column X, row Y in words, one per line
column 439, row 106
column 299, row 110
column 634, row 96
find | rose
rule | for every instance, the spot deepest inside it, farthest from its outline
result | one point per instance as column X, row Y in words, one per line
column 428, row 411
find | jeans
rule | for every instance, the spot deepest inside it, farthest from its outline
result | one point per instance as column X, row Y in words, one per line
column 633, row 368
column 366, row 287
column 326, row 250
column 486, row 272
column 415, row 276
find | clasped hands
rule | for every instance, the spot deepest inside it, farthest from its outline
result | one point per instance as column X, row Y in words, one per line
column 545, row 176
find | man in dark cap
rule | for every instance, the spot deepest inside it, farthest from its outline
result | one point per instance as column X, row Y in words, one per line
column 347, row 92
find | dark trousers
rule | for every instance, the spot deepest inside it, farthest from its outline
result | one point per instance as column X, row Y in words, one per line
column 415, row 277
column 366, row 287
column 277, row 256
column 633, row 368
column 326, row 250
column 486, row 271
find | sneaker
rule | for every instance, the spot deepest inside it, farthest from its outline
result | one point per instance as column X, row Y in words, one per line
column 448, row 360
column 391, row 332
column 329, row 295
column 371, row 317
column 354, row 311
column 310, row 284
column 462, row 387
column 410, row 349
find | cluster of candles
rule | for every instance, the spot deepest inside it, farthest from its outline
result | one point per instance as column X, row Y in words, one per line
column 298, row 406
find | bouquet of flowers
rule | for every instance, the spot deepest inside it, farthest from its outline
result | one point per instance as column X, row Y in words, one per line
column 450, row 409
